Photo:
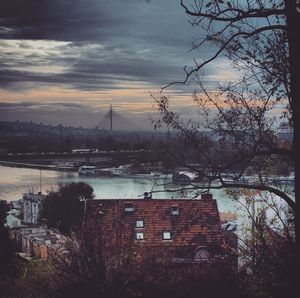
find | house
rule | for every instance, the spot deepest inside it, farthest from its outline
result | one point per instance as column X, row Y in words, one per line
column 17, row 234
column 32, row 207
column 191, row 228
column 42, row 246
column 37, row 242
column 12, row 221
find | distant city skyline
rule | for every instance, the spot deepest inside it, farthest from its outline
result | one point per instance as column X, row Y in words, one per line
column 64, row 61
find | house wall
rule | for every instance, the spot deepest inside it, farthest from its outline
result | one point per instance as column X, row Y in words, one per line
column 36, row 248
column 31, row 207
column 43, row 252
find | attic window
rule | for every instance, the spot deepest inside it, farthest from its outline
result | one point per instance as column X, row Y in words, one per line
column 139, row 223
column 201, row 254
column 175, row 210
column 166, row 235
column 139, row 236
column 129, row 207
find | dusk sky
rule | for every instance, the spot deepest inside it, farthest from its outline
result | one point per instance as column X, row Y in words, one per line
column 66, row 61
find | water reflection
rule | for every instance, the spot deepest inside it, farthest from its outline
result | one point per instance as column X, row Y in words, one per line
column 15, row 181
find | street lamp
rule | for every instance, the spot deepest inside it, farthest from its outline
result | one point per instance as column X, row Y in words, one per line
column 82, row 199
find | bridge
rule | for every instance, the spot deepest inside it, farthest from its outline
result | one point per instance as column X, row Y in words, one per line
column 115, row 121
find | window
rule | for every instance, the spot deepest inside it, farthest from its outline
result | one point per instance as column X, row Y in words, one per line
column 201, row 254
column 139, row 223
column 140, row 236
column 175, row 210
column 166, row 235
column 129, row 207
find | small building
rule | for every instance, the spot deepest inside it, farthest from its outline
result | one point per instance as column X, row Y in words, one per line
column 184, row 177
column 18, row 233
column 17, row 204
column 12, row 221
column 32, row 207
column 38, row 242
column 190, row 228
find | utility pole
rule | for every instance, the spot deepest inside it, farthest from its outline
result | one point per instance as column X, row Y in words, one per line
column 40, row 181
column 60, row 138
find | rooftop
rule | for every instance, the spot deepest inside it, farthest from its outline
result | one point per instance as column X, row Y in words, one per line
column 179, row 222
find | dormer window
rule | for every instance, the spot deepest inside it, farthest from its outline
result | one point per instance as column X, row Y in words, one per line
column 139, row 236
column 129, row 207
column 201, row 254
column 174, row 210
column 166, row 235
column 139, row 223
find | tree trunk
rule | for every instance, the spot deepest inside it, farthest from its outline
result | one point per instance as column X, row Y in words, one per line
column 293, row 24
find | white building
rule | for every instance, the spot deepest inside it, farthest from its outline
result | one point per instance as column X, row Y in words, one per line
column 263, row 211
column 12, row 221
column 32, row 207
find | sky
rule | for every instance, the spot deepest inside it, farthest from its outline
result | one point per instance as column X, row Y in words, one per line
column 66, row 61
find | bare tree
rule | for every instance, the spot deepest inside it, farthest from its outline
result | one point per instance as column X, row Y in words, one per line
column 267, row 247
column 259, row 37
column 91, row 268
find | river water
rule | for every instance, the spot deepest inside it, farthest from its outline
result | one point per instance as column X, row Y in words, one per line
column 16, row 181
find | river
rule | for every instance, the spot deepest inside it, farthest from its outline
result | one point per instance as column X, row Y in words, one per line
column 16, row 181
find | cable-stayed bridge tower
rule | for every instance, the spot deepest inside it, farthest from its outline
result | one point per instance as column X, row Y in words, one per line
column 114, row 121
column 111, row 117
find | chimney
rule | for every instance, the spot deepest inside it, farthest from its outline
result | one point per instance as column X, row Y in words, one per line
column 206, row 196
column 147, row 195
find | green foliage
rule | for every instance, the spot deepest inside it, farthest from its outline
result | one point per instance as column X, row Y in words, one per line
column 63, row 209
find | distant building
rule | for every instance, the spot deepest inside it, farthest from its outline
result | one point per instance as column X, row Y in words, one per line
column 184, row 177
column 285, row 132
column 190, row 228
column 32, row 207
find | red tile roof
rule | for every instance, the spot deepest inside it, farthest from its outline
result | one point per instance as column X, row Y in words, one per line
column 197, row 224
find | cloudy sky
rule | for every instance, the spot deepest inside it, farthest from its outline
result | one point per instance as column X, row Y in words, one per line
column 66, row 61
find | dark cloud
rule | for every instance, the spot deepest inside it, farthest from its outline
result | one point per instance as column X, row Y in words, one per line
column 92, row 20
column 91, row 68
column 54, row 20
column 45, row 106
column 108, row 42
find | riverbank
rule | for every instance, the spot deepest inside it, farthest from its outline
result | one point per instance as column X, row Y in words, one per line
column 37, row 166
